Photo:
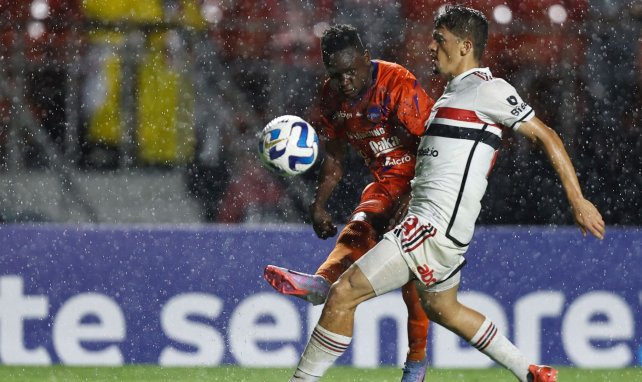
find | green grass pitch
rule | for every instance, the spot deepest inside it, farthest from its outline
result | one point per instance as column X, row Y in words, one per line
column 140, row 373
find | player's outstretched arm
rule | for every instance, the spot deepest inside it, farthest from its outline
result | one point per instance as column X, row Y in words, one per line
column 586, row 215
column 330, row 174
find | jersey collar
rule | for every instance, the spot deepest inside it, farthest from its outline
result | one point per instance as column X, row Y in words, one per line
column 375, row 70
column 452, row 84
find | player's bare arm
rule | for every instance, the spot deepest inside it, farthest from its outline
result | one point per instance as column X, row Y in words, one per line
column 329, row 176
column 586, row 215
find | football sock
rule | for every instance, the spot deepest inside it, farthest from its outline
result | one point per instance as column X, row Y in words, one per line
column 322, row 350
column 489, row 341
column 417, row 323
column 354, row 240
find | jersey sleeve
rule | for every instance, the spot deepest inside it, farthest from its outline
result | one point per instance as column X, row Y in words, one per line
column 499, row 102
column 413, row 104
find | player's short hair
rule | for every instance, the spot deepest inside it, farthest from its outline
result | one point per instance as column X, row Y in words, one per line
column 339, row 37
column 465, row 22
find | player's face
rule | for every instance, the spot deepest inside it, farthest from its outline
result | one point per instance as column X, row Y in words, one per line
column 445, row 51
column 349, row 71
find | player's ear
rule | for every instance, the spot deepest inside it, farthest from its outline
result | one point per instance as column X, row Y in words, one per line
column 366, row 55
column 466, row 47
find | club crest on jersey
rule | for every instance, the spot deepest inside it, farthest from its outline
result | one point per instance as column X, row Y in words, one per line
column 374, row 114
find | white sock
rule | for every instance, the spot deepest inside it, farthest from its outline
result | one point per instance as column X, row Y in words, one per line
column 323, row 349
column 491, row 342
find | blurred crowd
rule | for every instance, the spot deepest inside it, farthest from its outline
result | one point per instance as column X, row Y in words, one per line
column 187, row 84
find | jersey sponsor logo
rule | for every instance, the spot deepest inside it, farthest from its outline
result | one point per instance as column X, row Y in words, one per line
column 426, row 273
column 428, row 152
column 367, row 134
column 397, row 161
column 518, row 109
column 342, row 115
column 384, row 145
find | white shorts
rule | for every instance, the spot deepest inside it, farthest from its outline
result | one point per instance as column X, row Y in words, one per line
column 414, row 250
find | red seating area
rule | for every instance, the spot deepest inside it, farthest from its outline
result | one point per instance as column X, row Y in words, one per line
column 42, row 29
column 553, row 32
column 261, row 43
column 528, row 32
column 524, row 35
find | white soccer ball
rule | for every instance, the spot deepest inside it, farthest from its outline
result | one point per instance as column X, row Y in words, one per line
column 288, row 145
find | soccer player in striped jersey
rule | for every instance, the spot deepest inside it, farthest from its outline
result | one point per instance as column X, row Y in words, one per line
column 453, row 161
column 378, row 108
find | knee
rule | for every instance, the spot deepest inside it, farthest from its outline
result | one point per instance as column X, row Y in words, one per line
column 342, row 295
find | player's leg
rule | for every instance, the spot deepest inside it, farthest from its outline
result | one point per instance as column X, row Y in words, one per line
column 378, row 204
column 361, row 233
column 356, row 238
column 381, row 270
column 416, row 361
column 442, row 307
column 395, row 191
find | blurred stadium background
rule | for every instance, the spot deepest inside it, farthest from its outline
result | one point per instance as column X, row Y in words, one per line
column 129, row 111
column 145, row 112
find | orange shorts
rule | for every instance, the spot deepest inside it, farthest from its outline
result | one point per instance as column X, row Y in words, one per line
column 381, row 198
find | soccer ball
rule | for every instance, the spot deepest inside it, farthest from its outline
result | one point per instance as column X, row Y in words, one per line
column 288, row 145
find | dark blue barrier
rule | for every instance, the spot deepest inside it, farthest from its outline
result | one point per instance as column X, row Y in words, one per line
column 194, row 295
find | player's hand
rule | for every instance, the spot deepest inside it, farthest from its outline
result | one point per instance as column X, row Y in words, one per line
column 588, row 218
column 322, row 223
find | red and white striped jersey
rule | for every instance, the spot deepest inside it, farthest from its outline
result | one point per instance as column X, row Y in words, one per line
column 456, row 154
